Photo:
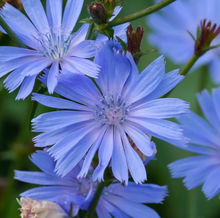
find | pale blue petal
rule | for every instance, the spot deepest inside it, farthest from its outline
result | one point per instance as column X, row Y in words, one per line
column 135, row 164
column 76, row 153
column 102, row 212
column 58, row 119
column 36, row 66
column 91, row 153
column 64, row 146
column 182, row 167
column 208, row 108
column 145, row 193
column 160, row 108
column 211, row 186
column 54, row 13
column 133, row 209
column 118, row 163
column 200, row 127
column 52, row 78
column 71, row 13
column 80, row 35
column 198, row 175
column 85, row 49
column 58, row 103
column 26, row 87
column 214, row 70
column 40, row 178
column 104, row 154
column 116, row 12
column 148, row 80
column 216, row 101
column 8, row 53
column 10, row 65
column 140, row 139
column 82, row 66
column 35, row 11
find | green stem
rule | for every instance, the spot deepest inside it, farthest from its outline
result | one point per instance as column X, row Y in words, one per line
column 186, row 68
column 11, row 34
column 90, row 34
column 139, row 14
column 95, row 200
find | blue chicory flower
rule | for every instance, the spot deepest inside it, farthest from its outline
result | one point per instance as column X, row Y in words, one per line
column 70, row 192
column 50, row 43
column 111, row 118
column 203, row 168
column 175, row 42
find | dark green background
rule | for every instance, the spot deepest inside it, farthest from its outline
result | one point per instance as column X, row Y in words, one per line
column 16, row 144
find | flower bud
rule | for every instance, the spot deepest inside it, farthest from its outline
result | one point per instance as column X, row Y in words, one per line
column 206, row 34
column 98, row 13
column 134, row 40
column 45, row 209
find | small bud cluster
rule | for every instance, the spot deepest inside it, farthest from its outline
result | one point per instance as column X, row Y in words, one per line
column 206, row 34
column 102, row 10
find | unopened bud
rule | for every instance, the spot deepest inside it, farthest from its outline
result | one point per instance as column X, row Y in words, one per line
column 98, row 13
column 45, row 209
column 207, row 33
column 134, row 39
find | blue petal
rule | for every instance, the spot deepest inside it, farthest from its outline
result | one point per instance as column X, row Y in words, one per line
column 133, row 209
column 54, row 13
column 216, row 99
column 104, row 154
column 208, row 108
column 118, row 163
column 145, row 193
column 58, row 119
column 58, row 103
column 80, row 35
column 26, row 87
column 80, row 65
column 35, row 11
column 211, row 186
column 102, row 212
column 135, row 164
column 160, row 108
column 213, row 68
column 85, row 49
column 140, row 139
column 40, row 178
column 76, row 153
column 71, row 13
column 52, row 79
column 148, row 80
column 91, row 153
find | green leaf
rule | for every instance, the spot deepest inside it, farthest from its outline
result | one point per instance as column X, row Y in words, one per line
column 191, row 35
column 143, row 53
column 87, row 20
column 123, row 44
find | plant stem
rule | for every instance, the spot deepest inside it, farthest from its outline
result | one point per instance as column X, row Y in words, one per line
column 90, row 34
column 139, row 14
column 95, row 200
column 11, row 34
column 186, row 68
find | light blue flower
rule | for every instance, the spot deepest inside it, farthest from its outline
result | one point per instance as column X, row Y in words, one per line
column 170, row 34
column 108, row 119
column 116, row 200
column 205, row 141
column 50, row 43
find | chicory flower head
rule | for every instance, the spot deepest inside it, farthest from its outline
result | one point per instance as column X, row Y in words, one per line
column 70, row 192
column 50, row 42
column 174, row 41
column 110, row 119
column 205, row 167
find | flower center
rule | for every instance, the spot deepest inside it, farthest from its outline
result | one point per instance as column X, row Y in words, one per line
column 85, row 185
column 54, row 44
column 110, row 110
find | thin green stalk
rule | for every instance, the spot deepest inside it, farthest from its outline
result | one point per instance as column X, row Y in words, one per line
column 186, row 68
column 139, row 14
column 95, row 200
column 90, row 34
column 11, row 34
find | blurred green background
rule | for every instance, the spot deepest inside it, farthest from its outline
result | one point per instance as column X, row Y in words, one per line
column 16, row 144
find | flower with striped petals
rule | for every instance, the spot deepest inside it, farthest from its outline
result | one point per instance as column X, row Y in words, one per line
column 73, row 194
column 111, row 119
